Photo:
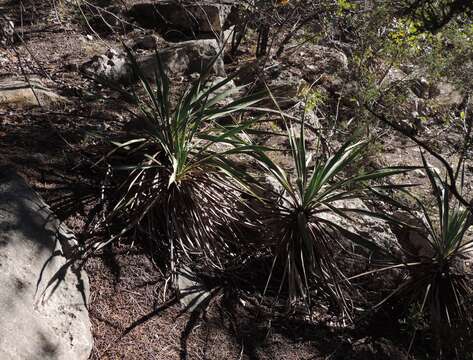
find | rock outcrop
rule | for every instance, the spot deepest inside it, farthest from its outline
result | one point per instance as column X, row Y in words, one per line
column 43, row 306
column 184, row 58
column 192, row 17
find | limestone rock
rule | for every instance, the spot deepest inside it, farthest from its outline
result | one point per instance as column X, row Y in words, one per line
column 38, row 321
column 111, row 66
column 285, row 85
column 189, row 17
column 413, row 237
column 368, row 227
column 298, row 70
column 19, row 93
column 180, row 59
column 393, row 75
column 7, row 31
column 230, row 89
column 187, row 57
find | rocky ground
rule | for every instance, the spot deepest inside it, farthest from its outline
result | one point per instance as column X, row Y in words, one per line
column 49, row 135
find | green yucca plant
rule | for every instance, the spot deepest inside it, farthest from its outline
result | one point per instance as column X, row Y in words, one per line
column 303, row 237
column 438, row 281
column 180, row 184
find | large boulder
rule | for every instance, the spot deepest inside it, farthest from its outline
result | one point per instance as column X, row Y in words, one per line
column 412, row 236
column 187, row 57
column 183, row 58
column 201, row 17
column 368, row 227
column 16, row 92
column 43, row 306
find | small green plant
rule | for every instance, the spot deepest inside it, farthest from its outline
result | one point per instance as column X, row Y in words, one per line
column 179, row 184
column 313, row 97
column 304, row 233
column 345, row 5
column 438, row 282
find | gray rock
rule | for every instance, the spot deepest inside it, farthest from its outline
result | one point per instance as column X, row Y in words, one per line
column 145, row 42
column 38, row 321
column 413, row 237
column 192, row 292
column 300, row 69
column 7, row 31
column 112, row 66
column 285, row 87
column 184, row 58
column 187, row 57
column 16, row 92
column 393, row 75
column 368, row 227
column 195, row 17
column 445, row 94
column 285, row 83
column 228, row 92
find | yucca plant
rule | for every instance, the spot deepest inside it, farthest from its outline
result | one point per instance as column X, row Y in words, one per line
column 304, row 234
column 438, row 281
column 181, row 185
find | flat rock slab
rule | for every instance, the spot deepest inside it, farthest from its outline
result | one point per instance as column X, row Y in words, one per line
column 20, row 93
column 38, row 321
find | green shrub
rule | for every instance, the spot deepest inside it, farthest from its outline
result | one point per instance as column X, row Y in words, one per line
column 303, row 238
column 180, row 185
column 438, row 281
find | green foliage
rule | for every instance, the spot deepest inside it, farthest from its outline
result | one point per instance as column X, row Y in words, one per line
column 304, row 232
column 345, row 5
column 405, row 34
column 439, row 285
column 432, row 15
column 180, row 184
column 313, row 98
